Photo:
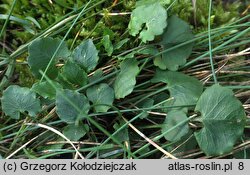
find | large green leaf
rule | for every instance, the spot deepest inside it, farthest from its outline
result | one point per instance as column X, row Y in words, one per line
column 71, row 105
column 101, row 94
column 223, row 119
column 184, row 89
column 86, row 55
column 74, row 74
column 75, row 132
column 18, row 100
column 177, row 32
column 40, row 54
column 126, row 79
column 45, row 89
column 173, row 118
column 153, row 15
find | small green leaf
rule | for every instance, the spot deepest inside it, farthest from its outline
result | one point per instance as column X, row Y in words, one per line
column 18, row 100
column 45, row 89
column 40, row 54
column 153, row 15
column 164, row 103
column 223, row 118
column 101, row 94
column 177, row 32
column 107, row 45
column 86, row 55
column 119, row 44
column 184, row 89
column 74, row 74
column 71, row 106
column 75, row 132
column 159, row 63
column 109, row 32
column 186, row 143
column 126, row 79
column 174, row 118
column 64, row 82
column 153, row 51
column 147, row 103
column 122, row 135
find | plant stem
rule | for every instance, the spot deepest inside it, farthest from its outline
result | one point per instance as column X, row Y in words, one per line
column 7, row 19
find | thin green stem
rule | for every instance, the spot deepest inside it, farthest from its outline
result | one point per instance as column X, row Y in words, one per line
column 218, row 47
column 7, row 19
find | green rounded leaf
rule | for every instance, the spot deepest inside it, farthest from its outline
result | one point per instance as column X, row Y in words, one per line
column 174, row 118
column 183, row 88
column 153, row 15
column 74, row 74
column 177, row 32
column 45, row 89
column 86, row 55
column 40, row 54
column 126, row 79
column 101, row 94
column 75, row 132
column 223, row 118
column 71, row 105
column 18, row 100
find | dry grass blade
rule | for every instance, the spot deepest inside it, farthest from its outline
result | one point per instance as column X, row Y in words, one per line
column 23, row 146
column 58, row 133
